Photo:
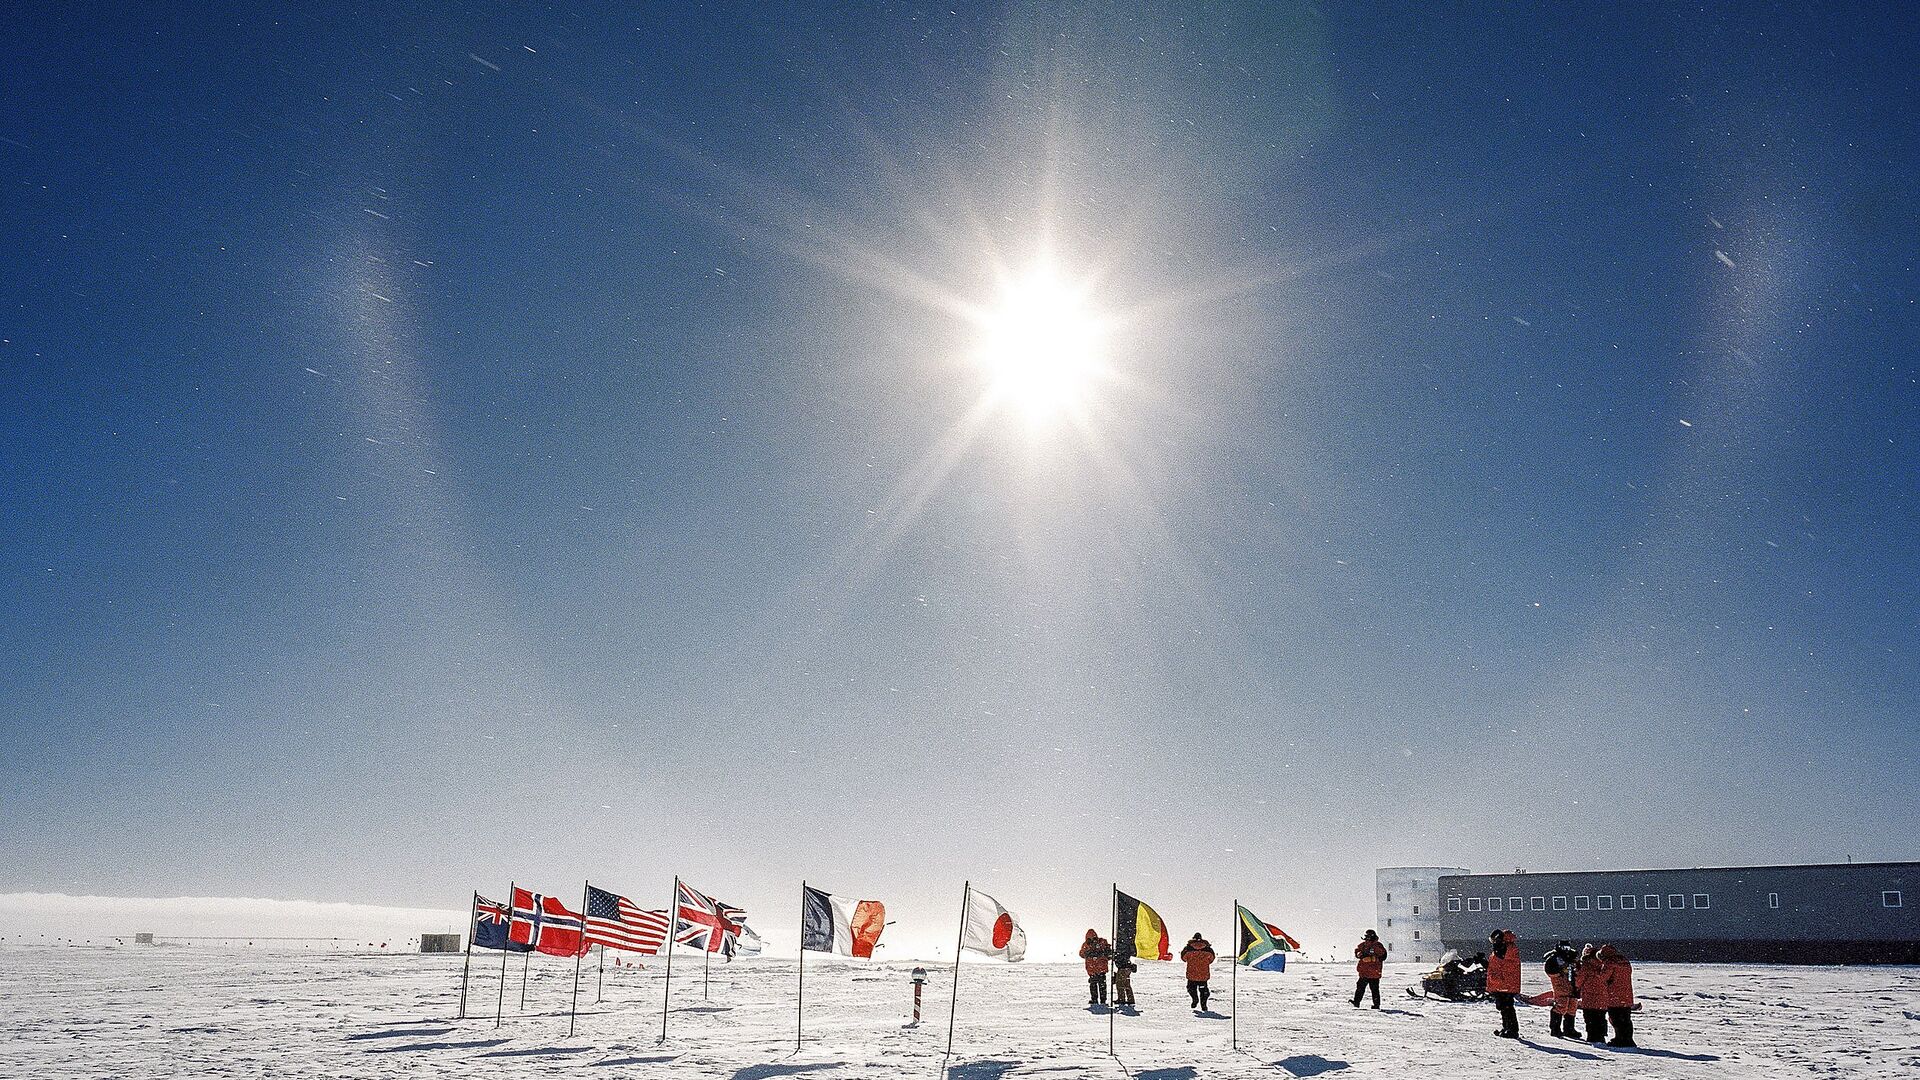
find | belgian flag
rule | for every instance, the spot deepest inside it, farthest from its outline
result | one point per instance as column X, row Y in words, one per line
column 1138, row 930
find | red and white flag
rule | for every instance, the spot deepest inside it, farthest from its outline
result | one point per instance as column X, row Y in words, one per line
column 544, row 924
column 992, row 929
column 701, row 921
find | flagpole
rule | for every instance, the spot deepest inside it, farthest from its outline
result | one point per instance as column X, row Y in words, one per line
column 706, row 965
column 526, row 961
column 573, row 1009
column 673, row 924
column 966, row 897
column 600, row 986
column 1235, row 939
column 1113, row 947
column 500, row 1006
column 466, row 966
column 801, row 1000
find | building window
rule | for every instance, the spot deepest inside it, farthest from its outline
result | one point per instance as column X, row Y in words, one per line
column 1473, row 903
column 1892, row 898
column 1493, row 903
column 1627, row 903
column 1579, row 903
column 1416, row 909
column 1453, row 903
column 1389, row 922
column 1653, row 901
column 1416, row 935
column 1539, row 903
column 1701, row 901
column 1676, row 901
column 1773, row 901
column 1515, row 903
column 1389, row 898
column 1559, row 903
column 1604, row 903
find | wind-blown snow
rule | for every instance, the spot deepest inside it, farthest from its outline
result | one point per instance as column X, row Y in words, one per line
column 189, row 1010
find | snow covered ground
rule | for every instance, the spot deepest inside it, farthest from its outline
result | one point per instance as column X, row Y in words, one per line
column 131, row 1011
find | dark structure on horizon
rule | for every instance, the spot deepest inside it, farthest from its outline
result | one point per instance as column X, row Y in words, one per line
column 1836, row 913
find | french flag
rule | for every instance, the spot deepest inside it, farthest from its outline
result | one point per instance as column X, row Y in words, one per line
column 832, row 924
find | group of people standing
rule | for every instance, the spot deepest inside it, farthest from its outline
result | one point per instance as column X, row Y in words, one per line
column 1596, row 983
column 1102, row 962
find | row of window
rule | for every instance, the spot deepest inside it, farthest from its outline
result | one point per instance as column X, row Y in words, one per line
column 1890, row 898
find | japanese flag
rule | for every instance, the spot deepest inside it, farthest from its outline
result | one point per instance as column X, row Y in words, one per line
column 992, row 929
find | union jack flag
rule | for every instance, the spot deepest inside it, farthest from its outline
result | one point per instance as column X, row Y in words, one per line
column 619, row 923
column 543, row 924
column 703, row 922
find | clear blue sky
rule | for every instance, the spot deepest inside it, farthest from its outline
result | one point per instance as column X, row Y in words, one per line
column 440, row 445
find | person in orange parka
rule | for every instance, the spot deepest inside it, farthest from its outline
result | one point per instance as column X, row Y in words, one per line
column 1198, row 954
column 1559, row 967
column 1590, row 992
column 1620, row 1003
column 1371, row 954
column 1096, row 951
column 1503, row 980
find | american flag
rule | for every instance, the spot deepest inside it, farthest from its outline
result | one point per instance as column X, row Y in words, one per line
column 619, row 923
column 704, row 922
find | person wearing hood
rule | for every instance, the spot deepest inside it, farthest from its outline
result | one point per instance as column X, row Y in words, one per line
column 1559, row 967
column 1590, row 992
column 1097, row 952
column 1372, row 956
column 1123, row 969
column 1620, row 1003
column 1198, row 954
column 1503, row 980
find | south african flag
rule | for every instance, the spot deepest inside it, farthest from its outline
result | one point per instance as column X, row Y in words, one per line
column 1263, row 946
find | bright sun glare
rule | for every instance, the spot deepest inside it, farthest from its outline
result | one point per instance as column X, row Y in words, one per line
column 1042, row 348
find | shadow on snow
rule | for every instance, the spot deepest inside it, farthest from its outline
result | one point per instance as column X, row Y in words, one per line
column 1308, row 1065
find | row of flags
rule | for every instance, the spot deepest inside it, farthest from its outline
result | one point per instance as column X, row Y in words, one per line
column 536, row 922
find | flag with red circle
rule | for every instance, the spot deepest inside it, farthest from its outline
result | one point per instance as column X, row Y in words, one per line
column 992, row 929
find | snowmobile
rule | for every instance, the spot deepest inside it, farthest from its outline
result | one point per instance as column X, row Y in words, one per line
column 1454, row 980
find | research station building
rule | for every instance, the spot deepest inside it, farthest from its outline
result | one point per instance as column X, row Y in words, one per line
column 1835, row 913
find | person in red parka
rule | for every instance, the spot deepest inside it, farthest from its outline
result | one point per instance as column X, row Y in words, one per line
column 1559, row 968
column 1371, row 955
column 1198, row 953
column 1503, row 980
column 1590, row 992
column 1096, row 951
column 1620, row 1003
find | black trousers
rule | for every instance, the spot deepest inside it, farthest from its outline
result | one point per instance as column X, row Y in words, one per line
column 1364, row 984
column 1197, row 992
column 1509, row 1022
column 1097, row 989
column 1622, row 1026
column 1562, row 1024
column 1596, row 1024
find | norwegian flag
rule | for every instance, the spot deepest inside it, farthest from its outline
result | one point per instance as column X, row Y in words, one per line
column 544, row 924
column 702, row 922
column 619, row 923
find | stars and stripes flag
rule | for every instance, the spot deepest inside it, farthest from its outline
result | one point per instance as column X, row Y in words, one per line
column 544, row 924
column 619, row 923
column 701, row 922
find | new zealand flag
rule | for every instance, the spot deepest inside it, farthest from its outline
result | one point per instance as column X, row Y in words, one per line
column 490, row 926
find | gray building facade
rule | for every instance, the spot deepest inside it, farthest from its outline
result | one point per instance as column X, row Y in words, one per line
column 1838, row 913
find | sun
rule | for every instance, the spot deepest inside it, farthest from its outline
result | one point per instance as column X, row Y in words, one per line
column 1042, row 347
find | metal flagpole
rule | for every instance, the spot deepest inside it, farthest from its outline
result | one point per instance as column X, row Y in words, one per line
column 526, row 961
column 706, row 965
column 801, row 1000
column 466, row 966
column 500, row 1006
column 1234, row 938
column 574, row 1008
column 673, row 924
column 1113, row 948
column 966, row 897
column 601, row 986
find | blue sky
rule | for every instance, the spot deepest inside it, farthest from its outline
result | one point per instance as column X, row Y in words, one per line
column 444, row 445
